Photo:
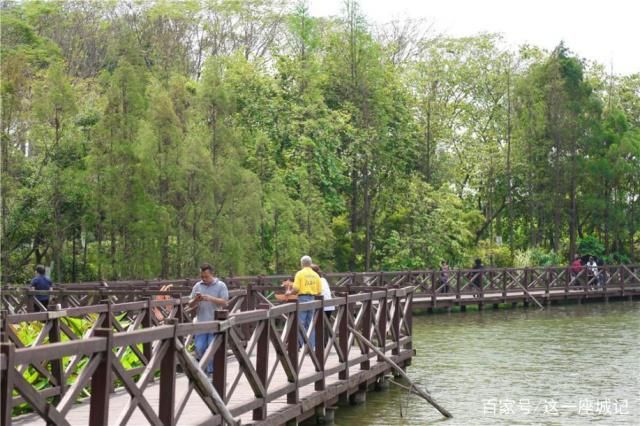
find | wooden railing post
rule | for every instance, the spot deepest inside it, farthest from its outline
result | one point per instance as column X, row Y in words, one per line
column 549, row 276
column 292, row 351
column 343, row 337
column 366, row 331
column 382, row 324
column 409, row 320
column 220, row 358
column 504, row 286
column 6, row 382
column 320, row 342
column 248, row 305
column 458, row 282
column 28, row 301
column 395, row 324
column 101, row 383
column 435, row 278
column 180, row 310
column 167, row 400
column 57, row 369
column 4, row 326
column 262, row 367
column 147, row 322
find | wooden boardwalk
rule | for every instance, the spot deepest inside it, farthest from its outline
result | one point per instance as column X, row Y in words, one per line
column 260, row 371
column 138, row 331
column 449, row 300
column 197, row 413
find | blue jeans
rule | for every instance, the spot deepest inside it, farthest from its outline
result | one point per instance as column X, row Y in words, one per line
column 306, row 317
column 202, row 342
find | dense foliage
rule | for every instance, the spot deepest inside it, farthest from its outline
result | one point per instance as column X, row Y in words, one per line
column 142, row 138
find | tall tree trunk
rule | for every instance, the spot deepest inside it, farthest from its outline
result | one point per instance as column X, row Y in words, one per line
column 354, row 216
column 509, row 177
column 573, row 211
column 367, row 218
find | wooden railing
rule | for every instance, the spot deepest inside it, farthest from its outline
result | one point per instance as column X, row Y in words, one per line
column 263, row 341
column 429, row 283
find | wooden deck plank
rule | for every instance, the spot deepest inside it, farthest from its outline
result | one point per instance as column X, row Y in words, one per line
column 196, row 412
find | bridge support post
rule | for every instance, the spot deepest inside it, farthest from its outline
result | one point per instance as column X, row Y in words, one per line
column 382, row 383
column 359, row 397
column 325, row 415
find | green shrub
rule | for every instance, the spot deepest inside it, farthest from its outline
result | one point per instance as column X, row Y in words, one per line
column 537, row 257
column 591, row 246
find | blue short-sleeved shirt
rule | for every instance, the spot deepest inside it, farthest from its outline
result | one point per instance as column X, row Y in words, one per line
column 41, row 283
column 216, row 289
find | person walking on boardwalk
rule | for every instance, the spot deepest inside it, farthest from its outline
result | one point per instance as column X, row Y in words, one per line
column 306, row 285
column 208, row 295
column 326, row 290
column 476, row 275
column 326, row 295
column 592, row 271
column 43, row 283
column 444, row 277
column 576, row 267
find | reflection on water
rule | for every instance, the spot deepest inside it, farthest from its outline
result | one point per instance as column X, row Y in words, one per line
column 574, row 365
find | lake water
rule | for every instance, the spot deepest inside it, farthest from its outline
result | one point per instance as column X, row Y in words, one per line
column 567, row 365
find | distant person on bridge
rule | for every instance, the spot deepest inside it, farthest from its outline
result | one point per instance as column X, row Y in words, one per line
column 326, row 295
column 592, row 271
column 326, row 290
column 576, row 267
column 306, row 285
column 208, row 295
column 43, row 283
column 444, row 277
column 476, row 275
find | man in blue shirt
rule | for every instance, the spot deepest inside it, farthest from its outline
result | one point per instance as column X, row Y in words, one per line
column 208, row 295
column 41, row 282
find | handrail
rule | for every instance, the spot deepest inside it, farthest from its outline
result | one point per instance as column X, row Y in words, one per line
column 261, row 340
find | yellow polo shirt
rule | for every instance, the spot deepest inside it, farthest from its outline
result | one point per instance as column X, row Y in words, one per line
column 307, row 282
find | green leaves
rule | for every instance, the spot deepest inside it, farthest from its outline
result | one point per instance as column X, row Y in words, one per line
column 141, row 143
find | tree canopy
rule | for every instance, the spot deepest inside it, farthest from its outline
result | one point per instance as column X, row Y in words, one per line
column 140, row 139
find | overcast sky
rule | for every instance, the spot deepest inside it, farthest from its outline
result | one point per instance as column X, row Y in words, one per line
column 607, row 31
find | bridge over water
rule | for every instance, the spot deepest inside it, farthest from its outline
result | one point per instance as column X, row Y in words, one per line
column 118, row 353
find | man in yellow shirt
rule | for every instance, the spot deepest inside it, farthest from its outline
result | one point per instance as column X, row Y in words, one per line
column 306, row 285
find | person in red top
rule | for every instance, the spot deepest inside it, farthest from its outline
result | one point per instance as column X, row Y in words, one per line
column 576, row 267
